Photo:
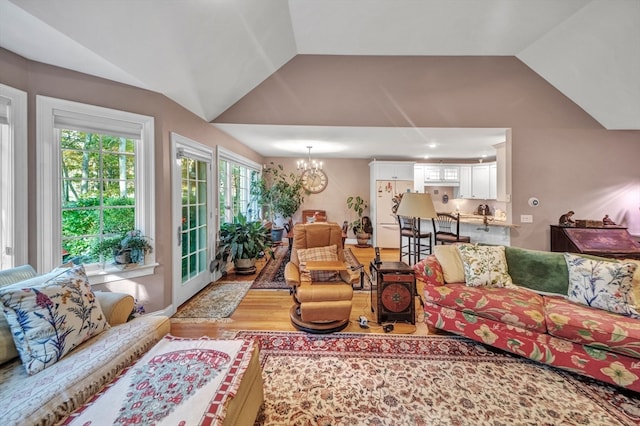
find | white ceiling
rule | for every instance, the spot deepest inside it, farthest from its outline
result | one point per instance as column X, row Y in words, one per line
column 206, row 55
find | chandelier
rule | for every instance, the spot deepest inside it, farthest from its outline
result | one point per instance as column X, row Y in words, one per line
column 309, row 164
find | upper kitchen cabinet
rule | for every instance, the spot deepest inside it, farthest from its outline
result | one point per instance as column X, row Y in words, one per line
column 441, row 174
column 478, row 181
column 392, row 170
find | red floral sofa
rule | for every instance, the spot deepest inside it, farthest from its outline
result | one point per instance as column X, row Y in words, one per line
column 534, row 320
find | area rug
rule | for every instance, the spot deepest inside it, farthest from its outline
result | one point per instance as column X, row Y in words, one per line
column 216, row 302
column 355, row 379
column 272, row 274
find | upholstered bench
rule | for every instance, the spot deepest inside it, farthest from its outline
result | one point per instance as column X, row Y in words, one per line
column 182, row 381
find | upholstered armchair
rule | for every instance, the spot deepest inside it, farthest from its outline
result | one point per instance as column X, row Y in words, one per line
column 322, row 297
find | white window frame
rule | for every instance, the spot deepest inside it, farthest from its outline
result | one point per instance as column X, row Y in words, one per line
column 14, row 177
column 232, row 157
column 48, row 228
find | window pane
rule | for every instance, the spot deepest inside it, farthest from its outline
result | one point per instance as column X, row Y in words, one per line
column 98, row 191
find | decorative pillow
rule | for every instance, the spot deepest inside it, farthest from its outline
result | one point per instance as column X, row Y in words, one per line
column 601, row 284
column 429, row 270
column 8, row 349
column 484, row 266
column 49, row 320
column 451, row 262
column 635, row 286
column 328, row 253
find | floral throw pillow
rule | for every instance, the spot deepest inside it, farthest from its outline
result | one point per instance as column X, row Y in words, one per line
column 328, row 253
column 601, row 284
column 484, row 266
column 50, row 319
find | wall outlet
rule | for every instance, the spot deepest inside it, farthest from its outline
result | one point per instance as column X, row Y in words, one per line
column 526, row 218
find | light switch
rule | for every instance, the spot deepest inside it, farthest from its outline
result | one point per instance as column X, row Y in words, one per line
column 526, row 218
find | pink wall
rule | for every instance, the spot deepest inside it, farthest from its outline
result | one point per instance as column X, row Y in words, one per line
column 40, row 79
column 558, row 152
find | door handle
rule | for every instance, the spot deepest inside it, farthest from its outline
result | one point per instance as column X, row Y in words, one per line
column 179, row 235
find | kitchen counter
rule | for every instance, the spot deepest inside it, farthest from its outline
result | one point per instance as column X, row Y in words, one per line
column 476, row 219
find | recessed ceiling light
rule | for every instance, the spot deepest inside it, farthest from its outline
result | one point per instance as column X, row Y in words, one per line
column 432, row 145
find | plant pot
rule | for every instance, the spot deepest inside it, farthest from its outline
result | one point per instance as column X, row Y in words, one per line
column 245, row 266
column 276, row 235
column 362, row 239
column 122, row 258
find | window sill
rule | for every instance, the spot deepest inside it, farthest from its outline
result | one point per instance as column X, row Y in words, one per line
column 111, row 272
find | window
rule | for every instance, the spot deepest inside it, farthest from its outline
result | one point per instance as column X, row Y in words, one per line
column 95, row 182
column 13, row 177
column 235, row 176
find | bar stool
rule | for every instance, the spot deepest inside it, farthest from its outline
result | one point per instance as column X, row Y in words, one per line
column 415, row 246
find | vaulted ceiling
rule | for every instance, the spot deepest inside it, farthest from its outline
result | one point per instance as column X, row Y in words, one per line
column 206, row 55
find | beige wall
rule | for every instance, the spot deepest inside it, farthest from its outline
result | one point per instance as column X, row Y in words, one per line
column 39, row 79
column 558, row 153
column 346, row 177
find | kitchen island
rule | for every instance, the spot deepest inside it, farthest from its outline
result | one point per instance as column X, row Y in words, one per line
column 489, row 231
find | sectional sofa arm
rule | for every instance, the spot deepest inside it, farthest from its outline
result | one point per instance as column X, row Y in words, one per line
column 117, row 307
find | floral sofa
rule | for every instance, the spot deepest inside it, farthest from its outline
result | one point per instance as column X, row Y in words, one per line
column 43, row 390
column 541, row 311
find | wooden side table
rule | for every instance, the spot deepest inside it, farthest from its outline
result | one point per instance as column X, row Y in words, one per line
column 393, row 291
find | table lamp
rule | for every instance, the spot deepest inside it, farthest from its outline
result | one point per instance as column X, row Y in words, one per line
column 417, row 206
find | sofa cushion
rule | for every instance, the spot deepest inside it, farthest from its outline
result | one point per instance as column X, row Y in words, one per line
column 49, row 396
column 601, row 284
column 514, row 305
column 541, row 271
column 429, row 270
column 327, row 253
column 49, row 319
column 484, row 265
column 594, row 327
column 451, row 263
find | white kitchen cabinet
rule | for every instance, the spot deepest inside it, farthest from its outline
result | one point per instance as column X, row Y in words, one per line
column 441, row 174
column 418, row 178
column 392, row 170
column 464, row 190
column 478, row 182
column 493, row 181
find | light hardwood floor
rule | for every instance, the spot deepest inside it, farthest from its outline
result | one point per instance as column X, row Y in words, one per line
column 269, row 309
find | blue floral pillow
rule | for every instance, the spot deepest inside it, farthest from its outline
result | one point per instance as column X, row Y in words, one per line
column 601, row 284
column 50, row 319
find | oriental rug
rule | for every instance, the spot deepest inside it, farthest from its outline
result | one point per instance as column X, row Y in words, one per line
column 214, row 303
column 356, row 379
column 272, row 274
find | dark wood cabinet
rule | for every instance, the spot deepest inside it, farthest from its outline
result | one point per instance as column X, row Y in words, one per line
column 605, row 241
column 393, row 292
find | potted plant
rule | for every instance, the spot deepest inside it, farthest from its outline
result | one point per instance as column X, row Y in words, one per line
column 243, row 242
column 361, row 227
column 280, row 194
column 125, row 249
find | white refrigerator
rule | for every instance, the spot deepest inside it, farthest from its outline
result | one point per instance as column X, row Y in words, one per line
column 387, row 230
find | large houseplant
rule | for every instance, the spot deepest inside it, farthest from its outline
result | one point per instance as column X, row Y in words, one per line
column 361, row 227
column 280, row 194
column 243, row 242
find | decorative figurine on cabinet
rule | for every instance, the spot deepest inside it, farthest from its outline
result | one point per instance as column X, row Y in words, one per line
column 606, row 220
column 565, row 219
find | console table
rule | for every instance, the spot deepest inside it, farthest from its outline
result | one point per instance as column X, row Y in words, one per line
column 604, row 241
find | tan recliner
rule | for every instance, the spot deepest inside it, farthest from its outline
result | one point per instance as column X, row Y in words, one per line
column 320, row 306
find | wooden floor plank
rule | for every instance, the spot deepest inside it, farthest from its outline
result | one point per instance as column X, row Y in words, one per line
column 269, row 309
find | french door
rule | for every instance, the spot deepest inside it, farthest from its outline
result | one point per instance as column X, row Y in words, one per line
column 193, row 218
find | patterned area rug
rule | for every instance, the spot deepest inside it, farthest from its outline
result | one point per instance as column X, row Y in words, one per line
column 350, row 378
column 272, row 275
column 216, row 302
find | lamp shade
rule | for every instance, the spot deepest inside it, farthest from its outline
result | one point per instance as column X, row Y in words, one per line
column 414, row 204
